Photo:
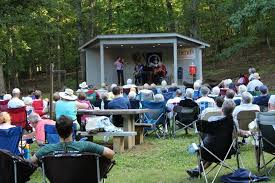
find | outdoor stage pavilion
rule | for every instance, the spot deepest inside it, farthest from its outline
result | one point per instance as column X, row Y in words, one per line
column 174, row 50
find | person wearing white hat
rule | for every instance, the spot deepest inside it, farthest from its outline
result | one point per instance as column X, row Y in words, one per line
column 254, row 83
column 68, row 105
column 15, row 102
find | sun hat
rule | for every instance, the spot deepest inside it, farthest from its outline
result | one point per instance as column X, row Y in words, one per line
column 256, row 75
column 83, row 85
column 68, row 94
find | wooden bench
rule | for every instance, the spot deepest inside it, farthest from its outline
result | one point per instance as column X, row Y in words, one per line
column 118, row 138
column 139, row 128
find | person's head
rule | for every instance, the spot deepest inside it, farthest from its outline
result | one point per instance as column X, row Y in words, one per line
column 158, row 98
column 64, row 127
column 204, row 91
column 263, row 89
column 104, row 96
column 163, row 83
column 219, row 101
column 230, row 94
column 271, row 103
column 67, row 95
column 178, row 93
column 116, row 91
column 132, row 95
column 30, row 91
column 112, row 86
column 37, row 94
column 242, row 88
column 27, row 101
column 256, row 76
column 216, row 90
column 5, row 118
column 197, row 85
column 34, row 119
column 227, row 82
column 56, row 96
column 16, row 92
column 7, row 97
column 103, row 85
column 81, row 96
column 146, row 86
column 129, row 81
column 189, row 93
column 227, row 107
column 246, row 98
column 153, row 85
column 251, row 70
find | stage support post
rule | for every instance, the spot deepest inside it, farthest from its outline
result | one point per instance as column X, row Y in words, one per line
column 101, row 63
column 175, row 54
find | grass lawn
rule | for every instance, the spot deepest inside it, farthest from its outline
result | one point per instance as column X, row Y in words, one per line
column 162, row 161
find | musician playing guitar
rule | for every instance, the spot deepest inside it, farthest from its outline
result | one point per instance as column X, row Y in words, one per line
column 159, row 72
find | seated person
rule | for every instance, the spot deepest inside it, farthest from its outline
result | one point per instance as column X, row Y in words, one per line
column 64, row 127
column 15, row 101
column 172, row 102
column 133, row 101
column 218, row 137
column 126, row 88
column 215, row 92
column 237, row 98
column 82, row 99
column 254, row 83
column 38, row 124
column 5, row 121
column 145, row 94
column 28, row 102
column 4, row 102
column 119, row 102
column 205, row 101
column 164, row 86
column 110, row 93
column 197, row 87
column 153, row 87
column 188, row 100
column 38, row 103
column 218, row 108
column 158, row 98
column 230, row 94
column 262, row 100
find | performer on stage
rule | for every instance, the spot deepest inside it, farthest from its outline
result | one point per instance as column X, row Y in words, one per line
column 159, row 72
column 119, row 63
column 138, row 73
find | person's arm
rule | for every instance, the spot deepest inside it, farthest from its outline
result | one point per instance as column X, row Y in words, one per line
column 108, row 153
column 81, row 105
column 28, row 136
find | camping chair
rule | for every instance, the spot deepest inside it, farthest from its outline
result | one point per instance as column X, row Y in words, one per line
column 10, row 138
column 146, row 96
column 51, row 135
column 19, row 117
column 157, row 119
column 266, row 137
column 210, row 114
column 168, row 95
column 71, row 168
column 197, row 94
column 203, row 105
column 14, row 169
column 4, row 105
column 184, row 117
column 263, row 108
column 244, row 118
column 38, row 106
column 221, row 145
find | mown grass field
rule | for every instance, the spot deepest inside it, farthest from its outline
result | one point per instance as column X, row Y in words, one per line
column 163, row 161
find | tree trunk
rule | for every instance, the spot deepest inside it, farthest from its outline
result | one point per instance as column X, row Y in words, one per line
column 91, row 23
column 194, row 19
column 171, row 23
column 110, row 14
column 2, row 80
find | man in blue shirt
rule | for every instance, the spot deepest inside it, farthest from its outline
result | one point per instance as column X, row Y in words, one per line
column 262, row 100
column 118, row 102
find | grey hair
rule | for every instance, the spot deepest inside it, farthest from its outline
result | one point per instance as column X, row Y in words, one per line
column 34, row 118
column 228, row 106
column 178, row 92
column 246, row 98
column 132, row 95
column 204, row 91
column 159, row 98
column 189, row 93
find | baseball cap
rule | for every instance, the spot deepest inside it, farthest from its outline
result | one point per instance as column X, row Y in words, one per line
column 263, row 89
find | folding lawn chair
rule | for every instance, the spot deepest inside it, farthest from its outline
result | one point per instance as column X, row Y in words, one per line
column 168, row 95
column 14, row 169
column 246, row 117
column 266, row 137
column 51, row 135
column 38, row 106
column 10, row 138
column 19, row 117
column 218, row 144
column 203, row 105
column 210, row 114
column 74, row 167
column 4, row 105
column 184, row 117
column 157, row 119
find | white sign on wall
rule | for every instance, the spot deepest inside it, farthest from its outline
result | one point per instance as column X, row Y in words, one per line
column 186, row 53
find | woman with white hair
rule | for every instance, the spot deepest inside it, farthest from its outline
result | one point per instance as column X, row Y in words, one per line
column 197, row 86
column 215, row 92
column 28, row 102
column 133, row 101
column 159, row 98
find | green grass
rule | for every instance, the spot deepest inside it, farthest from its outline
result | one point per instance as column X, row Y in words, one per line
column 163, row 161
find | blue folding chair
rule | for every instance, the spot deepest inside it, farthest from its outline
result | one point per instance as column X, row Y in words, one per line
column 168, row 95
column 52, row 136
column 10, row 138
column 203, row 105
column 157, row 118
column 197, row 94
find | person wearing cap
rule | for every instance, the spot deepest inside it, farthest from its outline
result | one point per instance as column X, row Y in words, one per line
column 254, row 83
column 15, row 101
column 263, row 99
column 68, row 105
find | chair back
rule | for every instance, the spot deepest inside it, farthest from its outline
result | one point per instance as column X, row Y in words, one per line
column 203, row 105
column 18, row 116
column 38, row 106
column 263, row 108
column 197, row 94
column 168, row 95
column 146, row 96
column 71, row 168
column 4, row 105
column 186, row 115
column 51, row 135
column 266, row 123
column 14, row 169
column 10, row 138
column 134, row 104
column 157, row 115
column 212, row 113
column 246, row 117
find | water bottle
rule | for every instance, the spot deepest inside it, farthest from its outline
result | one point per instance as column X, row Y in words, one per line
column 27, row 151
column 193, row 148
column 102, row 105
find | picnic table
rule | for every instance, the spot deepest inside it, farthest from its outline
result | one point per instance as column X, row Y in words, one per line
column 128, row 120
